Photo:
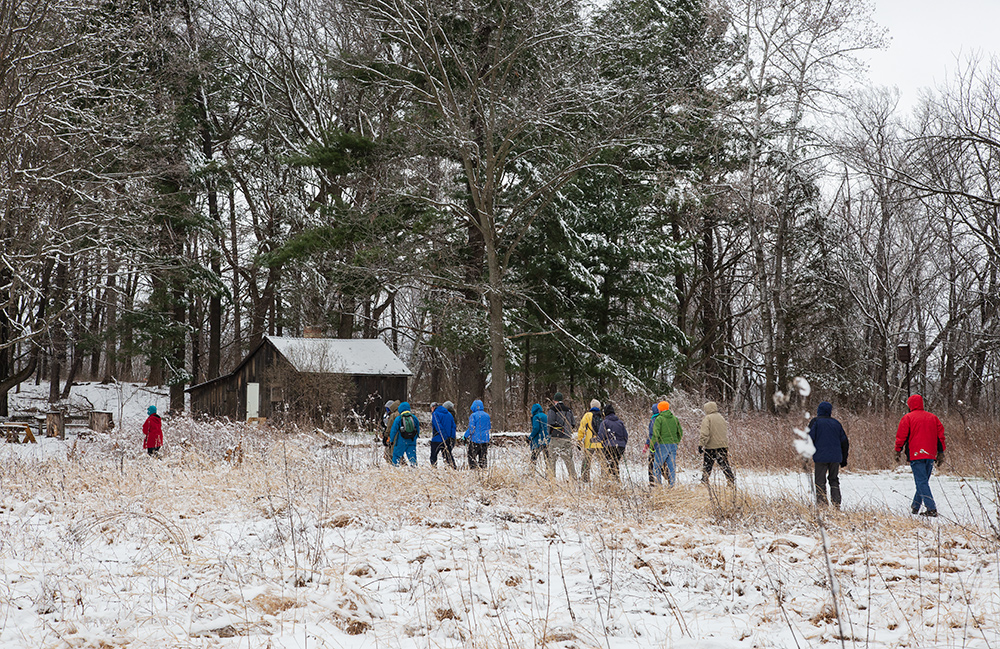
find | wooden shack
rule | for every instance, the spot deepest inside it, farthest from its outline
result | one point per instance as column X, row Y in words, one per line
column 312, row 378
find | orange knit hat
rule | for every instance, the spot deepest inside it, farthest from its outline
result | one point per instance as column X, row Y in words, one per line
column 663, row 406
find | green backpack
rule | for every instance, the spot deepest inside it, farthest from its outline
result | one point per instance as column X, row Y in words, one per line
column 408, row 426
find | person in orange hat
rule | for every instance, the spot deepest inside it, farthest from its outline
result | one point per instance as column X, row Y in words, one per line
column 667, row 434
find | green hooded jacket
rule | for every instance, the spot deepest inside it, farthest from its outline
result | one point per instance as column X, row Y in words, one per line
column 667, row 429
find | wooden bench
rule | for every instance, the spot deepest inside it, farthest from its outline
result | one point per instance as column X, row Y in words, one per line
column 12, row 431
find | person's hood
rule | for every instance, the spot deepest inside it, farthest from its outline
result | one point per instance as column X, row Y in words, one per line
column 597, row 410
column 710, row 408
column 535, row 409
column 656, row 410
column 441, row 408
column 915, row 402
column 667, row 413
column 404, row 406
column 825, row 409
column 477, row 405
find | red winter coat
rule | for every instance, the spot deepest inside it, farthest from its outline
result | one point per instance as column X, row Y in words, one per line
column 153, row 429
column 921, row 431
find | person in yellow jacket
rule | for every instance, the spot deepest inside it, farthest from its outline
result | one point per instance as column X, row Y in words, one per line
column 586, row 437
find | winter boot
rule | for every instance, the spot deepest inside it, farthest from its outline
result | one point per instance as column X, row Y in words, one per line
column 932, row 513
column 915, row 510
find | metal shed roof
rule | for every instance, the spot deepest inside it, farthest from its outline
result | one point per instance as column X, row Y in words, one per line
column 354, row 356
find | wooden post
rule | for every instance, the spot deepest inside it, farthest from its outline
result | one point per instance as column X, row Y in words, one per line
column 100, row 421
column 55, row 424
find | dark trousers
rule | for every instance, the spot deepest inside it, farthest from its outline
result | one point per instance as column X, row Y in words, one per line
column 720, row 456
column 613, row 456
column 154, row 451
column 828, row 471
column 540, row 452
column 446, row 449
column 477, row 455
column 650, row 466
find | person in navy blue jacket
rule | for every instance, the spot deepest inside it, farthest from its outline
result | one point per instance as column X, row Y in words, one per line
column 613, row 438
column 478, row 435
column 832, row 446
column 443, row 441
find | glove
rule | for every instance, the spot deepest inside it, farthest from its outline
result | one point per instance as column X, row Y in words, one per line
column 899, row 457
column 843, row 464
column 645, row 449
column 701, row 451
column 939, row 460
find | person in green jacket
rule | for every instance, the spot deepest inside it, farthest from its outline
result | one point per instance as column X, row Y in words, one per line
column 666, row 436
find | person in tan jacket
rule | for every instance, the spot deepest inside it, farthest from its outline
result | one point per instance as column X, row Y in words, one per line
column 714, row 442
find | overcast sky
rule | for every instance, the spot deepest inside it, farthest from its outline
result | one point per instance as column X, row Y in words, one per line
column 926, row 36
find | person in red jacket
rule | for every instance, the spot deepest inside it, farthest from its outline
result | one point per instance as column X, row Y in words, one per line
column 153, row 430
column 921, row 435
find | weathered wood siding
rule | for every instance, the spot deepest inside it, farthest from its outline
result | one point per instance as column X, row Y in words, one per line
column 227, row 395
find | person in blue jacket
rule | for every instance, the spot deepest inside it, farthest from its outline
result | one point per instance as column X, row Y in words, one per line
column 443, row 441
column 403, row 435
column 539, row 439
column 832, row 446
column 478, row 435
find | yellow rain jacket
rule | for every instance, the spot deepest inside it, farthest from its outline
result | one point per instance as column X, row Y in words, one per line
column 587, row 434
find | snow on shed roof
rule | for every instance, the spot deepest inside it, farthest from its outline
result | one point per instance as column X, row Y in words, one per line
column 340, row 356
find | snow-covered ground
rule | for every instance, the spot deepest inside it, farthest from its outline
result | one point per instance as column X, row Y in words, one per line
column 296, row 542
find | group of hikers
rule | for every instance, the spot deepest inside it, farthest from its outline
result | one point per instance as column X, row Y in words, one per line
column 601, row 438
column 400, row 429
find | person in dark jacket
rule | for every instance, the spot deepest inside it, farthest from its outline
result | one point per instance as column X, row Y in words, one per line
column 562, row 424
column 443, row 441
column 478, row 435
column 614, row 437
column 832, row 447
column 650, row 455
column 389, row 416
column 539, row 438
column 403, row 435
column 152, row 428
column 921, row 435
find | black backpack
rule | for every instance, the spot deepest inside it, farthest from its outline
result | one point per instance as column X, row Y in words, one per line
column 559, row 421
column 596, row 424
column 408, row 426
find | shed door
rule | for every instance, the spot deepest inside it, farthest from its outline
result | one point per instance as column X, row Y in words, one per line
column 253, row 400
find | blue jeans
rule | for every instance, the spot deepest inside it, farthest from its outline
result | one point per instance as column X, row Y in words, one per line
column 921, row 476
column 665, row 454
column 407, row 447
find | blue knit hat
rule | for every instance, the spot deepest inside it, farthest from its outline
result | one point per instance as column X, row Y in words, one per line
column 151, row 410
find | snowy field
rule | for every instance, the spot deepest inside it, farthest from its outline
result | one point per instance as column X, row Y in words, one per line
column 238, row 538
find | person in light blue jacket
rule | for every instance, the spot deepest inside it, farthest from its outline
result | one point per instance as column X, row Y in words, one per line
column 478, row 435
column 403, row 435
column 539, row 439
